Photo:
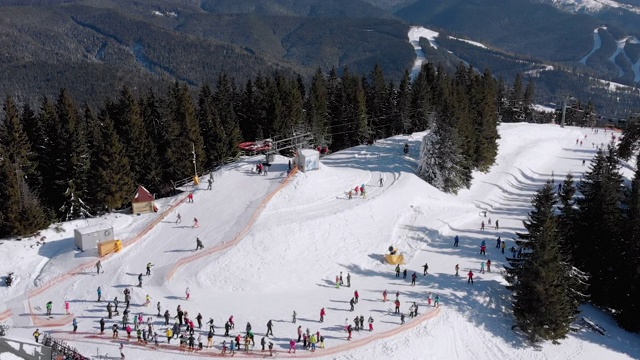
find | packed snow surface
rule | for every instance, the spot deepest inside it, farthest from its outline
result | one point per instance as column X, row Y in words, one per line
column 273, row 246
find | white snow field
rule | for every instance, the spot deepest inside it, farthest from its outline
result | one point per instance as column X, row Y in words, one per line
column 273, row 246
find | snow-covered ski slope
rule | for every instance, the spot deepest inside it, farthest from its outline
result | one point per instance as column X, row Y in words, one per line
column 274, row 245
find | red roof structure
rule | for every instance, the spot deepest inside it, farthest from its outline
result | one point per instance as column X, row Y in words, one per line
column 142, row 195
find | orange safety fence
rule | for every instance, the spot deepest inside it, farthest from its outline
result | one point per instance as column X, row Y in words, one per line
column 90, row 265
column 223, row 246
column 215, row 353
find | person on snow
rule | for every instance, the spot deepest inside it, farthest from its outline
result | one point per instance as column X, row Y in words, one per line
column 498, row 242
column 299, row 333
column 497, row 226
column 180, row 315
column 233, row 325
column 99, row 294
column 349, row 281
column 114, row 329
column 211, row 327
column 404, row 274
column 248, row 327
column 413, row 279
column 415, row 309
column 139, row 280
column 322, row 315
column 470, row 277
column 397, row 306
column 436, row 302
column 209, row 339
column 350, row 194
column 98, row 266
column 270, row 348
column 195, row 223
column 75, row 324
column 356, row 296
column 190, row 197
column 224, row 347
column 67, row 307
column 159, row 309
column 36, row 334
column 227, row 327
column 489, row 222
column 337, row 282
column 166, row 317
column 456, row 241
column 351, row 303
column 200, row 342
column 269, row 328
column 49, row 306
column 199, row 320
column 482, row 226
column 362, row 193
column 169, row 334
column 313, row 342
column 426, row 269
column 503, row 246
column 488, row 265
column 178, row 219
column 356, row 189
column 483, row 249
column 398, row 270
column 482, row 267
column 429, row 299
column 457, row 268
column 293, row 317
column 199, row 244
column 292, row 346
column 370, row 321
column 397, row 294
column 210, row 182
column 381, row 181
column 101, row 326
column 349, row 330
column 149, row 265
column 109, row 312
column 341, row 282
column 361, row 322
column 263, row 343
column 147, row 299
column 384, row 296
column 187, row 292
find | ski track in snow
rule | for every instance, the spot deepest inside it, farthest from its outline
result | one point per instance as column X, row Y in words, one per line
column 287, row 258
column 597, row 44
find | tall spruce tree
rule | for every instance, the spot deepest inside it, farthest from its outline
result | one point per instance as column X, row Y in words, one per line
column 21, row 212
column 212, row 130
column 599, row 226
column 139, row 146
column 542, row 302
column 318, row 109
column 113, row 184
column 224, row 101
column 183, row 134
column 629, row 309
column 441, row 161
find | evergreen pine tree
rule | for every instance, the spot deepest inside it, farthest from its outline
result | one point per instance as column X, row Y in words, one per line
column 318, row 109
column 113, row 185
column 212, row 130
column 224, row 101
column 441, row 161
column 139, row 146
column 21, row 213
column 542, row 302
column 599, row 226
column 183, row 134
column 629, row 310
column 486, row 122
